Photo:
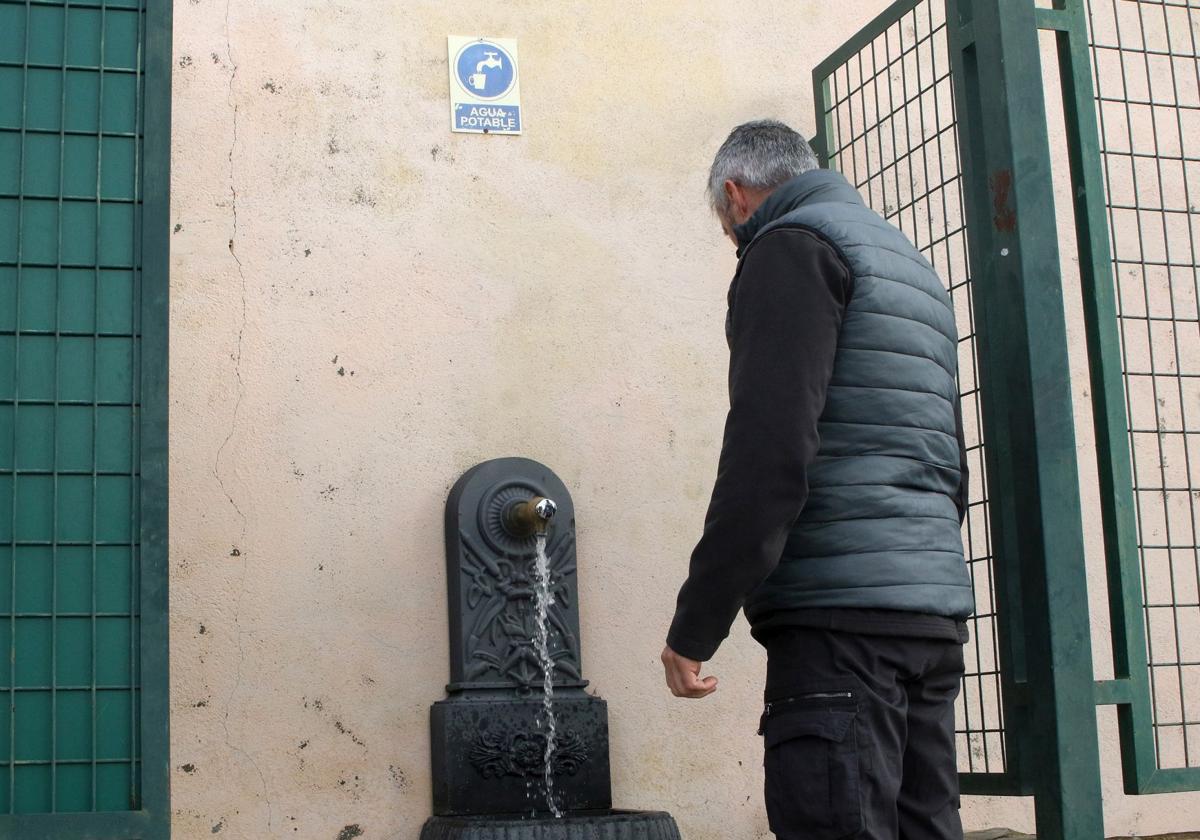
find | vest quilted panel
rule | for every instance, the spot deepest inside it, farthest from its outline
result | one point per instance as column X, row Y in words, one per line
column 880, row 529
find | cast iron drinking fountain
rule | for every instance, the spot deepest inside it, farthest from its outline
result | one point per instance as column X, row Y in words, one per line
column 520, row 749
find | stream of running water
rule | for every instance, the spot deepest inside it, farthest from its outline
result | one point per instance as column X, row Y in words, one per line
column 543, row 600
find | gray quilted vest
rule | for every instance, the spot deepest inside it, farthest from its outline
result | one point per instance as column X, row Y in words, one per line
column 880, row 529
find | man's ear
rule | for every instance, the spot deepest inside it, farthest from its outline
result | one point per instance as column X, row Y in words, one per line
column 737, row 199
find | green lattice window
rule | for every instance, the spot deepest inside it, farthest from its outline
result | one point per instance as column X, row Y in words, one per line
column 84, row 89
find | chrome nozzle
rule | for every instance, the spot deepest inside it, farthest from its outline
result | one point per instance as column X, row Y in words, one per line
column 531, row 517
column 545, row 510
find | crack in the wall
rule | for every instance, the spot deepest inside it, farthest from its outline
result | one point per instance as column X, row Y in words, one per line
column 237, row 358
column 239, row 550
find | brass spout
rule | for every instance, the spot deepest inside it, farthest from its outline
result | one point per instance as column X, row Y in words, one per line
column 530, row 517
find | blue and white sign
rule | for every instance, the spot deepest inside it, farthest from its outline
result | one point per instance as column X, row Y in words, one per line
column 485, row 70
column 485, row 89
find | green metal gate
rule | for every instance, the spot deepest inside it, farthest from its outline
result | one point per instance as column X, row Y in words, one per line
column 937, row 111
column 887, row 119
column 84, row 131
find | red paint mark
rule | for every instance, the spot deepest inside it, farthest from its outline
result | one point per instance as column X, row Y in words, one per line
column 1005, row 218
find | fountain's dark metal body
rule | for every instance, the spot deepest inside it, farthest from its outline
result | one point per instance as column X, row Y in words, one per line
column 489, row 735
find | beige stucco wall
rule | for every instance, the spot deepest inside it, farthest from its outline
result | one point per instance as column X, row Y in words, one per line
column 365, row 305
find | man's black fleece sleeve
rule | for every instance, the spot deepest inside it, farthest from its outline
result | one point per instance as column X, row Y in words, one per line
column 786, row 308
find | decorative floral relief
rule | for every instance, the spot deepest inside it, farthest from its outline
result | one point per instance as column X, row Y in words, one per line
column 522, row 753
column 500, row 616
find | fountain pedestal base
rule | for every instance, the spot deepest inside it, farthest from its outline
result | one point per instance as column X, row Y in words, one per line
column 489, row 754
column 609, row 825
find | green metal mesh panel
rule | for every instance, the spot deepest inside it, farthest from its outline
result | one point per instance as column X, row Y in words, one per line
column 890, row 127
column 1146, row 71
column 70, row 144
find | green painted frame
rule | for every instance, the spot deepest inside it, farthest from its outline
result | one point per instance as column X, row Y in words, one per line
column 153, row 821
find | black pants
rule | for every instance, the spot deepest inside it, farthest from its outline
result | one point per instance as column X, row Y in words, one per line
column 859, row 736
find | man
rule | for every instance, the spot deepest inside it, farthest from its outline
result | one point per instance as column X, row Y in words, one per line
column 835, row 519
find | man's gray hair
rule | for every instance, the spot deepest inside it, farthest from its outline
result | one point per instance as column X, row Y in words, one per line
column 762, row 155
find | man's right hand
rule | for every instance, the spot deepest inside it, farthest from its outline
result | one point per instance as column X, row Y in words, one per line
column 683, row 676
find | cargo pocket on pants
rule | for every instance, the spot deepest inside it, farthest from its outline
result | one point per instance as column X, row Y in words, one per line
column 812, row 772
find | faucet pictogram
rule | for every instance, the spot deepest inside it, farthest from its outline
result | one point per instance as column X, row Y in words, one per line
column 490, row 59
